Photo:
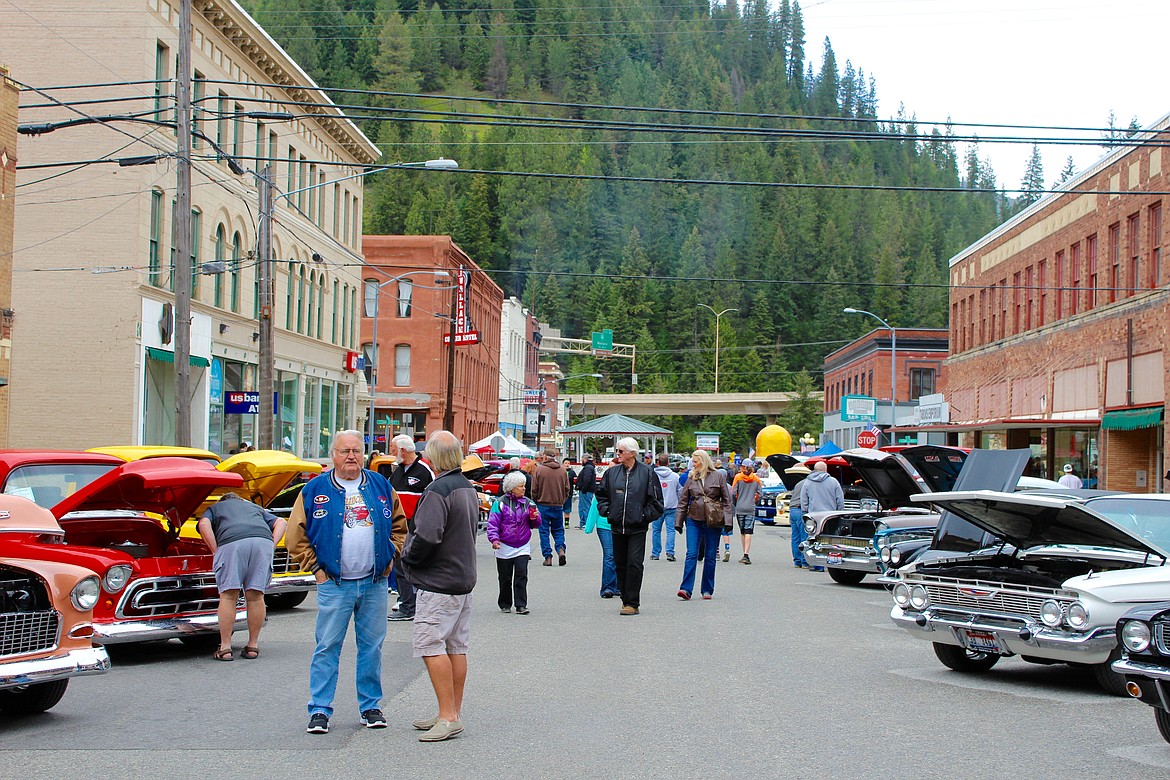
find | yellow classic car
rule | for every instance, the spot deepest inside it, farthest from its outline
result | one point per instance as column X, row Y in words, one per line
column 266, row 474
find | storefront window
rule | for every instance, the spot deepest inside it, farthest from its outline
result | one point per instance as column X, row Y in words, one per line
column 1078, row 447
column 326, row 416
column 312, row 417
column 288, row 411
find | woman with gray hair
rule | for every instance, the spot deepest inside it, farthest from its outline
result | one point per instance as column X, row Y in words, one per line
column 509, row 529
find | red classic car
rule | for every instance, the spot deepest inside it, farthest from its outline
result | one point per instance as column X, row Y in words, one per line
column 46, row 611
column 122, row 520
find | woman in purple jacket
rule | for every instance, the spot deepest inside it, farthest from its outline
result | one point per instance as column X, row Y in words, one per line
column 509, row 529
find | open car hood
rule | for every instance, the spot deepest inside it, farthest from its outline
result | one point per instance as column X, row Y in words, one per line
column 265, row 474
column 172, row 487
column 475, row 469
column 147, row 451
column 890, row 476
column 1026, row 520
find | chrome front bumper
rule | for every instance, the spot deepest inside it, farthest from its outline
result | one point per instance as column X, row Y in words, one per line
column 1028, row 638
column 75, row 663
column 292, row 583
column 149, row 629
column 1140, row 669
column 852, row 558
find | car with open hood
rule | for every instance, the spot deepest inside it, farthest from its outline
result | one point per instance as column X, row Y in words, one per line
column 842, row 541
column 1051, row 575
column 46, row 615
column 123, row 521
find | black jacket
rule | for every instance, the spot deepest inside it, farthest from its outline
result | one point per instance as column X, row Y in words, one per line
column 439, row 554
column 587, row 479
column 630, row 499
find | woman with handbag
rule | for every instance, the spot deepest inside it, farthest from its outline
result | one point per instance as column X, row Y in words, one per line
column 706, row 509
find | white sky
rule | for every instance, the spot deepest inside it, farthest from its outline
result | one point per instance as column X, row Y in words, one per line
column 1034, row 62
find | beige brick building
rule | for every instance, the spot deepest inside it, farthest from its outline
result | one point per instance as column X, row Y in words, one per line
column 93, row 258
column 9, row 101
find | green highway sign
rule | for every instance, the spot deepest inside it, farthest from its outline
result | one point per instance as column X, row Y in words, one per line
column 603, row 341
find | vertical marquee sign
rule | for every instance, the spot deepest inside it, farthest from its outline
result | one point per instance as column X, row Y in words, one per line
column 465, row 332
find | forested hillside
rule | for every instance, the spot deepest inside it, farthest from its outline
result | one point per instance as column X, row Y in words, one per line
column 638, row 256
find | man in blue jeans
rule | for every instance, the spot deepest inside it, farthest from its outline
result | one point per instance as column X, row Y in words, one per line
column 668, row 479
column 346, row 527
column 550, row 488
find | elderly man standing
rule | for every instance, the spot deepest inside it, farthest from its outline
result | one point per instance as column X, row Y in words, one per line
column 440, row 560
column 346, row 527
column 550, row 488
column 821, row 493
column 410, row 478
column 631, row 498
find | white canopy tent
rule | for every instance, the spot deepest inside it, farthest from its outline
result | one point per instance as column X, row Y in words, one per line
column 506, row 445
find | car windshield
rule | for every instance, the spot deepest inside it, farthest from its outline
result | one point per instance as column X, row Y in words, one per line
column 49, row 484
column 1147, row 518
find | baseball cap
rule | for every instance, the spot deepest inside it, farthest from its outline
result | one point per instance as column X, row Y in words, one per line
column 748, row 462
column 1068, row 468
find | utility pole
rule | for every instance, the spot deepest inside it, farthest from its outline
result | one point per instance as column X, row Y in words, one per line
column 182, row 231
column 449, row 411
column 266, row 423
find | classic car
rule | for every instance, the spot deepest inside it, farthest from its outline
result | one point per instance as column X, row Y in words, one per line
column 155, row 584
column 842, row 541
column 266, row 473
column 46, row 613
column 772, row 508
column 1145, row 659
column 1061, row 571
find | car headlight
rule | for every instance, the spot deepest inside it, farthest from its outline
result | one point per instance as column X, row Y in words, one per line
column 880, row 526
column 895, row 556
column 885, row 554
column 1135, row 635
column 901, row 594
column 809, row 527
column 1051, row 613
column 116, row 578
column 918, row 597
column 85, row 594
column 1078, row 615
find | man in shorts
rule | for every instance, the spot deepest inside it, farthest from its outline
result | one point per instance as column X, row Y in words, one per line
column 745, row 491
column 439, row 560
column 242, row 537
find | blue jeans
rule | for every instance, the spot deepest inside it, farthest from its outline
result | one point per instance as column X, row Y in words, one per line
column 364, row 601
column 584, row 504
column 698, row 533
column 609, row 582
column 656, row 538
column 552, row 518
column 796, row 526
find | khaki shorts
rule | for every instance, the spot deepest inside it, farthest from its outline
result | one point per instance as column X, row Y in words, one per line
column 442, row 624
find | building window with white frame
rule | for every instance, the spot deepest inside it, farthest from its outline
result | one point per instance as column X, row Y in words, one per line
column 402, row 365
column 405, row 296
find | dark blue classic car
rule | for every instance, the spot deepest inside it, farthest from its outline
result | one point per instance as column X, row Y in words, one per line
column 1145, row 659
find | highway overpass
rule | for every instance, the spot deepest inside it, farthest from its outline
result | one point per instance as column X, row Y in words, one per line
column 770, row 405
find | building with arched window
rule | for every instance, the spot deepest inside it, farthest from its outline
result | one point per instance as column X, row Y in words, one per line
column 107, row 313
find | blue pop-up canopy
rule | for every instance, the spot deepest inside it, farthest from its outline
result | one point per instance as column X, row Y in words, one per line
column 827, row 449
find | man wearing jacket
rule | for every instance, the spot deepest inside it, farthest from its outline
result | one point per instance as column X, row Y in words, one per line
column 346, row 527
column 586, row 487
column 439, row 559
column 630, row 498
column 410, row 478
column 550, row 488
column 668, row 482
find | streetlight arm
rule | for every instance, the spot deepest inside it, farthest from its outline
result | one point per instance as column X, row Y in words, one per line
column 893, row 368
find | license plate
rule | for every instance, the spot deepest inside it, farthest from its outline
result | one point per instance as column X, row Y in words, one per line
column 761, row 512
column 834, row 559
column 982, row 642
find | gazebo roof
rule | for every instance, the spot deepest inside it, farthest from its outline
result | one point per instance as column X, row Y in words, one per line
column 615, row 424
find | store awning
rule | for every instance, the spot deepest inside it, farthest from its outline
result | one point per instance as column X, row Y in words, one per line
column 1132, row 419
column 164, row 356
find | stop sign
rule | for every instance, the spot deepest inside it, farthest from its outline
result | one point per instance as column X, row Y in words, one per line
column 867, row 439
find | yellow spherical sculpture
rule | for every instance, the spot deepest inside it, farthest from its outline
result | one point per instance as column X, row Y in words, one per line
column 772, row 440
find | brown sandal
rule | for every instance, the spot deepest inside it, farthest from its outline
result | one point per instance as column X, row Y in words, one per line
column 250, row 652
column 223, row 655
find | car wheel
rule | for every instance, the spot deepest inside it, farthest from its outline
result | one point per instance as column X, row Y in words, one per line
column 285, row 600
column 1110, row 681
column 1162, row 718
column 31, row 699
column 846, row 576
column 203, row 641
column 963, row 660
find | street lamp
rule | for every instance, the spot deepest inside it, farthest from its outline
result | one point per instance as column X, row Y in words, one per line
column 718, row 315
column 893, row 370
column 376, row 355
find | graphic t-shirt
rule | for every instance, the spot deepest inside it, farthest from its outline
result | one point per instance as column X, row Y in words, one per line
column 357, row 535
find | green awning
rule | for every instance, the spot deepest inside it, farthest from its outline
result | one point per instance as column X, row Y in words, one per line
column 1132, row 419
column 164, row 356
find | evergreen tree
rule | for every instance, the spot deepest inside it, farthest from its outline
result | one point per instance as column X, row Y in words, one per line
column 805, row 410
column 1069, row 170
column 1032, row 186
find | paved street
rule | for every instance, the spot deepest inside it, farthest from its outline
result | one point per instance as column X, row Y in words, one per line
column 783, row 674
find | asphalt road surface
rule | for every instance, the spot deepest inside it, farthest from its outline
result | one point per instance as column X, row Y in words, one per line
column 782, row 674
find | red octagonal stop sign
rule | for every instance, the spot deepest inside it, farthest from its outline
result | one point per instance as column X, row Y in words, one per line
column 867, row 439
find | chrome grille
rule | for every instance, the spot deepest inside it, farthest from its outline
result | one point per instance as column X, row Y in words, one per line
column 283, row 563
column 28, row 632
column 1161, row 636
column 169, row 596
column 1004, row 600
column 845, row 541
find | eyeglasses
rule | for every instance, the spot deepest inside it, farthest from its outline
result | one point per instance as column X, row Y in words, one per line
column 348, row 452
column 620, row 451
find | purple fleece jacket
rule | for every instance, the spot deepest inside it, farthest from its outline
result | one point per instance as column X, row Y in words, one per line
column 511, row 521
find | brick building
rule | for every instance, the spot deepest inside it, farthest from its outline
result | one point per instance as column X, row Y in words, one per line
column 1059, row 325
column 862, row 368
column 95, row 364
column 410, row 389
column 9, row 101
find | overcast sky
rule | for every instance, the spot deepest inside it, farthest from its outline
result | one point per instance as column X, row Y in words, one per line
column 1035, row 62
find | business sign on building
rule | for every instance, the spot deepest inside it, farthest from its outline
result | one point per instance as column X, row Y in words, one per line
column 858, row 408
column 532, row 420
column 465, row 332
column 707, row 440
column 533, row 397
column 932, row 410
column 244, row 402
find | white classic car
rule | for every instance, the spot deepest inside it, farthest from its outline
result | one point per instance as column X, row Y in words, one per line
column 1051, row 586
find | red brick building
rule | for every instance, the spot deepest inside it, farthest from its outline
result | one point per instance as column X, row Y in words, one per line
column 862, row 368
column 1059, row 326
column 409, row 382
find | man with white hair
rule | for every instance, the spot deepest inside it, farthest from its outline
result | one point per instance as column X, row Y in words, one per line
column 630, row 498
column 410, row 478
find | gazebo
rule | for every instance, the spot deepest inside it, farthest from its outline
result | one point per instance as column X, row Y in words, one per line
column 618, row 426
